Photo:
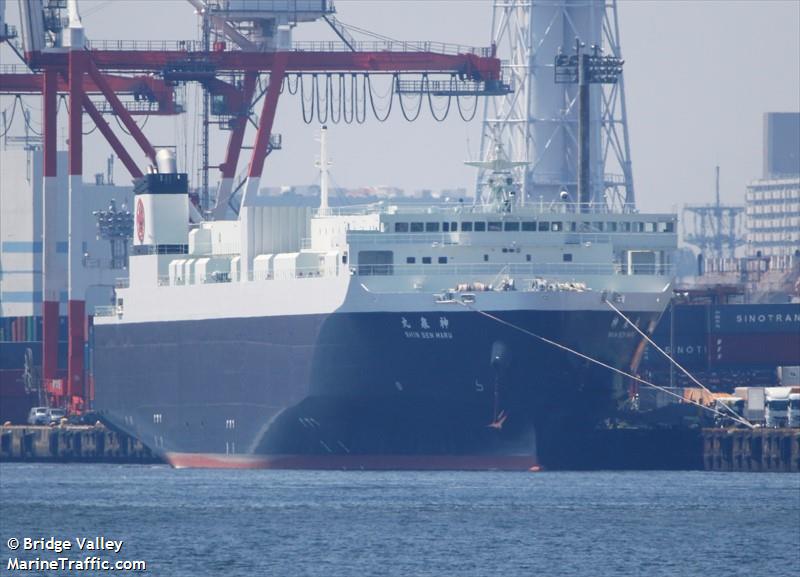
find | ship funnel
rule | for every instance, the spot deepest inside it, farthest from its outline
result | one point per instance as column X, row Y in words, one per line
column 166, row 162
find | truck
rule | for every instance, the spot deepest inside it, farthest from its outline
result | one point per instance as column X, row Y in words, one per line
column 726, row 406
column 794, row 409
column 754, row 403
column 776, row 413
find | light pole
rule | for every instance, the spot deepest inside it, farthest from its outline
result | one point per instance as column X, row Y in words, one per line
column 116, row 226
column 585, row 69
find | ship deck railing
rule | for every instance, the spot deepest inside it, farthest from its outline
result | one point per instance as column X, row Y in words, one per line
column 469, row 238
column 531, row 270
column 463, row 272
column 532, row 208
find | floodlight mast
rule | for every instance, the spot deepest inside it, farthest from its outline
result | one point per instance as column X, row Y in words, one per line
column 585, row 69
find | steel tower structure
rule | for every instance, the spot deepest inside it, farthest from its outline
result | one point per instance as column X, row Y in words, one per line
column 537, row 123
column 716, row 229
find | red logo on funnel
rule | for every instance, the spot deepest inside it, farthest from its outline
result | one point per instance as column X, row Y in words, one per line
column 140, row 220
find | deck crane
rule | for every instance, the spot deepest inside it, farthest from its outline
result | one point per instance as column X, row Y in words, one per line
column 88, row 65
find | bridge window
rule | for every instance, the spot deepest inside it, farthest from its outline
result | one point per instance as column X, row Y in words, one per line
column 454, row 227
column 611, row 226
column 442, row 260
column 529, row 225
column 495, row 226
column 410, row 260
column 426, row 260
column 375, row 262
column 445, row 227
column 625, row 226
column 480, row 227
column 401, row 227
column 544, row 226
column 466, row 227
column 556, row 226
column 417, row 227
column 641, row 262
column 566, row 257
column 512, row 226
column 431, row 227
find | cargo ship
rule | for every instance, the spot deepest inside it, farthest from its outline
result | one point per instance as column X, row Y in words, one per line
column 373, row 337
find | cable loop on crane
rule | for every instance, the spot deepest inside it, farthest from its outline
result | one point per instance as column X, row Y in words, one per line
column 125, row 130
column 338, row 103
column 320, row 107
column 335, row 118
column 388, row 109
column 363, row 117
column 10, row 120
column 419, row 104
column 461, row 112
column 308, row 117
column 430, row 101
column 352, row 100
column 288, row 80
column 26, row 117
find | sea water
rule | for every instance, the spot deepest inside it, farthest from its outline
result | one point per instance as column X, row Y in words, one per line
column 223, row 522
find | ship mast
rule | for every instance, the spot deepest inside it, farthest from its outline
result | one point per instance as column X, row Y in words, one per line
column 323, row 165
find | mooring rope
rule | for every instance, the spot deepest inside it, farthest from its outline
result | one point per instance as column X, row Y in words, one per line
column 601, row 363
column 652, row 343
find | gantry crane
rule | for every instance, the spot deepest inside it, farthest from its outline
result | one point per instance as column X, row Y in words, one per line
column 254, row 42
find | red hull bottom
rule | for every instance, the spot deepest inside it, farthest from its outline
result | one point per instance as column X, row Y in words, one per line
column 356, row 462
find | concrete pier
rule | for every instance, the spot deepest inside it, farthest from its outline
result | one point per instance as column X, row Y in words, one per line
column 71, row 443
column 767, row 450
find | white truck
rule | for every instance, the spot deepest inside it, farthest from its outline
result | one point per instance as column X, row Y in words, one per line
column 794, row 410
column 754, row 403
column 776, row 412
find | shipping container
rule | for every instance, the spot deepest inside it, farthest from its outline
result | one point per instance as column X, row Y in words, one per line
column 789, row 376
column 754, row 349
column 748, row 319
column 687, row 343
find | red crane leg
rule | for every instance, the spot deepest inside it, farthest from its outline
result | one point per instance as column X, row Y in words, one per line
column 122, row 112
column 76, row 305
column 112, row 139
column 267, row 115
column 228, row 167
column 51, row 290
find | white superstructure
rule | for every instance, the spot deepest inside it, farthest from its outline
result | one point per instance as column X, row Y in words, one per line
column 391, row 258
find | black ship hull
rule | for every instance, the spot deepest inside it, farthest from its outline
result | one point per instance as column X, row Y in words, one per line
column 360, row 390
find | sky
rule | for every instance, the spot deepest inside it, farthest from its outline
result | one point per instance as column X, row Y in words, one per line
column 698, row 76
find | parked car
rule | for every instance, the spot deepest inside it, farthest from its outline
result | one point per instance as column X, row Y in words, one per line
column 55, row 416
column 39, row 416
